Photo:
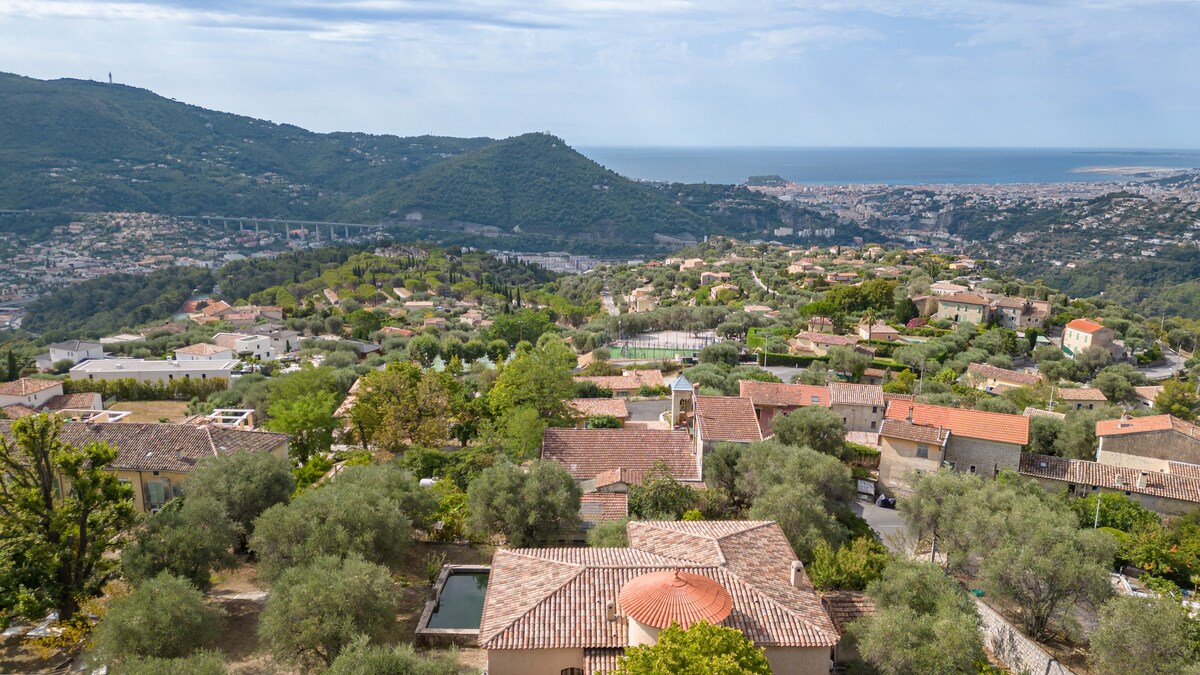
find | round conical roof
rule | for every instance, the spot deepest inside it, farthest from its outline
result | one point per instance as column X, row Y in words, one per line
column 659, row 599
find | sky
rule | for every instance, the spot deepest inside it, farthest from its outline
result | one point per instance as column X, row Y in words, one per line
column 908, row 73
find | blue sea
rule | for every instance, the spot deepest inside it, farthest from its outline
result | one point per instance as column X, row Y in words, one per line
column 900, row 166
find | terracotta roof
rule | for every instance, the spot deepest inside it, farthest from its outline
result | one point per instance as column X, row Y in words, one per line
column 993, row 372
column 226, row 340
column 1081, row 394
column 162, row 447
column 964, row 299
column 844, row 393
column 907, row 431
column 1184, row 469
column 611, row 382
column 588, row 452
column 26, row 386
column 603, row 507
column 988, row 426
column 647, row 377
column 1085, row 325
column 1141, row 425
column 556, row 598
column 16, row 412
column 81, row 401
column 727, row 418
column 662, row 598
column 203, row 349
column 845, row 607
column 1031, row 411
column 828, row 339
column 783, row 395
column 1082, row 472
column 603, row 661
column 1011, row 303
column 591, row 407
column 1149, row 393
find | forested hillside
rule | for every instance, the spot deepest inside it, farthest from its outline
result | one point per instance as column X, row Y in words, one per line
column 78, row 145
column 538, row 183
column 90, row 146
column 110, row 303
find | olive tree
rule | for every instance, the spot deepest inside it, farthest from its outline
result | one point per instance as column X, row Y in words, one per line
column 1152, row 636
column 316, row 610
column 166, row 617
column 190, row 542
column 246, row 483
column 531, row 507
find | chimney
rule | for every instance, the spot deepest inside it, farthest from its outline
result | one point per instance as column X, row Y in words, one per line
column 798, row 578
column 1143, row 477
column 610, row 611
column 179, row 454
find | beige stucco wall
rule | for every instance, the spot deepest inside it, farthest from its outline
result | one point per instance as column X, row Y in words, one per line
column 533, row 661
column 1149, row 451
column 988, row 457
column 898, row 458
column 642, row 634
column 799, row 660
column 860, row 417
column 957, row 311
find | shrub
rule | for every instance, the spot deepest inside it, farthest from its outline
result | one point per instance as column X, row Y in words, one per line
column 189, row 542
column 203, row 662
column 361, row 658
column 165, row 618
column 315, row 611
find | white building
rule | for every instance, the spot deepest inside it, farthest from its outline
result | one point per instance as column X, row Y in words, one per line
column 75, row 351
column 144, row 370
column 28, row 392
column 203, row 351
column 242, row 344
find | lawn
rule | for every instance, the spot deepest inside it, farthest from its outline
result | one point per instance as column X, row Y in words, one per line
column 150, row 412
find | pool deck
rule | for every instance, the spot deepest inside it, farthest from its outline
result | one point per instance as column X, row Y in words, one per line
column 444, row 637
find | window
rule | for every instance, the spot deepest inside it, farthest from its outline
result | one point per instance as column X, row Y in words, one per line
column 972, row 468
column 923, row 451
column 874, row 408
column 571, row 671
column 872, row 424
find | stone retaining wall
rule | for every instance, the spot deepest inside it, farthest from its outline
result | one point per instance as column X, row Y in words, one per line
column 1017, row 652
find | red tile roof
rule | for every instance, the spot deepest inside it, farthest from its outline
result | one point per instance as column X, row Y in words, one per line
column 1081, row 394
column 828, row 339
column 16, row 412
column 556, row 598
column 87, row 400
column 996, row 373
column 1149, row 392
column 907, row 431
column 845, row 607
column 1135, row 425
column 610, row 382
column 26, row 386
column 964, row 299
column 588, row 452
column 603, row 507
column 776, row 394
column 162, row 447
column 988, row 426
column 1082, row 472
column 727, row 418
column 591, row 407
column 665, row 597
column 1085, row 325
column 204, row 348
column 845, row 393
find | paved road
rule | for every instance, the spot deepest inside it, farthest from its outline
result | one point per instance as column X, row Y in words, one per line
column 886, row 522
column 754, row 275
column 785, row 373
column 609, row 305
column 647, row 411
column 1173, row 365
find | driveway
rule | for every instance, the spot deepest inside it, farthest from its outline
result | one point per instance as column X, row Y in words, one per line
column 785, row 373
column 886, row 522
column 1173, row 365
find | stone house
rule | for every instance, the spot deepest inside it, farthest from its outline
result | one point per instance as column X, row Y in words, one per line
column 1080, row 334
column 995, row 380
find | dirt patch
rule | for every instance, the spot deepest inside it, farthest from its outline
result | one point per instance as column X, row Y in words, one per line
column 17, row 657
column 150, row 412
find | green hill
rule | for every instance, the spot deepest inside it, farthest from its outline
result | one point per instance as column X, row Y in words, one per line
column 86, row 145
column 75, row 145
column 537, row 183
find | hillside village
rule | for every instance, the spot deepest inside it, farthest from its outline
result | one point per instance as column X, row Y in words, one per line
column 550, row 471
